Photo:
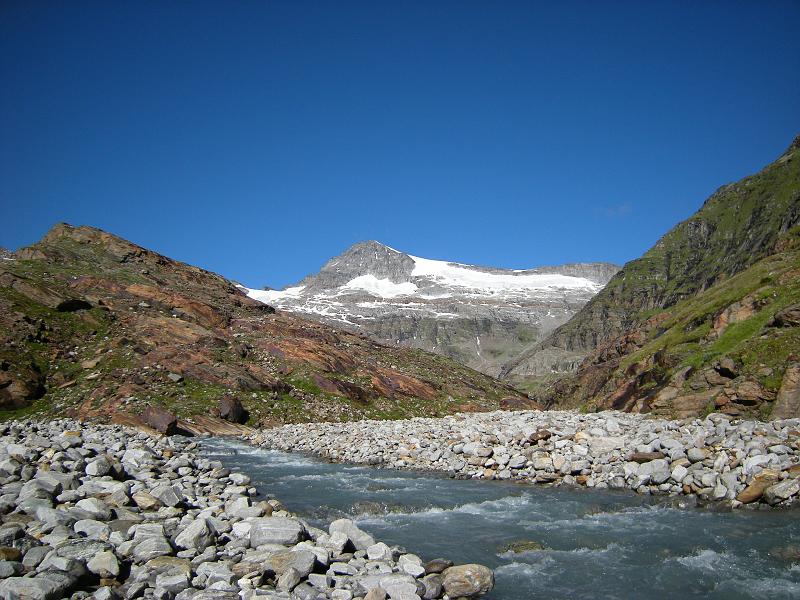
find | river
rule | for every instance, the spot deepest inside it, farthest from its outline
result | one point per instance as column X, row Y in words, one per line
column 594, row 543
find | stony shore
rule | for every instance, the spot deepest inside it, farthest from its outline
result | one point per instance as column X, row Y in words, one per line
column 106, row 512
column 717, row 459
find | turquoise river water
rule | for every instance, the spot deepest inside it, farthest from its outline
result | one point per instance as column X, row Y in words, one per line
column 596, row 543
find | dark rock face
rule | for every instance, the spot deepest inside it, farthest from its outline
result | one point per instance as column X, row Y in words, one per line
column 21, row 385
column 789, row 317
column 231, row 409
column 72, row 305
column 160, row 419
column 365, row 257
column 787, row 404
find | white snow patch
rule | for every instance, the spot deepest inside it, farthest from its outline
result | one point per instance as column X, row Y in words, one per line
column 383, row 288
column 268, row 296
column 458, row 275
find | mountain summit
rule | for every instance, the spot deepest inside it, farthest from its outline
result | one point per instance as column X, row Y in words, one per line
column 480, row 316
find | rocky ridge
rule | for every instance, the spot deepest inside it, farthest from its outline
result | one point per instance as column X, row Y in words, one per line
column 480, row 316
column 716, row 459
column 703, row 321
column 94, row 325
column 91, row 511
column 740, row 224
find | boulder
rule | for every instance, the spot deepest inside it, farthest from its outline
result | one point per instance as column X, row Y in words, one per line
column 468, row 581
column 82, row 549
column 167, row 494
column 104, row 564
column 643, row 457
column 198, row 535
column 50, row 585
column 433, row 586
column 437, row 565
column 302, row 561
column 379, row 551
column 160, row 419
column 604, row 444
column 146, row 500
column 275, row 530
column 782, row 491
column 727, row 368
column 376, row 593
column 150, row 548
column 759, row 485
column 288, row 580
column 172, row 583
column 788, row 317
column 696, row 454
column 360, row 539
column 787, row 404
column 541, row 434
column 231, row 409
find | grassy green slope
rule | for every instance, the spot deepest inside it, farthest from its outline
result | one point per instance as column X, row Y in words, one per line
column 736, row 227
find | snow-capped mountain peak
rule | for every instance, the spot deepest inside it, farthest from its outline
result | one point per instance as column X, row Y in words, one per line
column 409, row 300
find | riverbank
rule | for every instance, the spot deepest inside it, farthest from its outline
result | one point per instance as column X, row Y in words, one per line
column 108, row 512
column 716, row 459
column 544, row 542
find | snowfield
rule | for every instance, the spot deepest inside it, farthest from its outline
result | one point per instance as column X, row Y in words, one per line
column 433, row 289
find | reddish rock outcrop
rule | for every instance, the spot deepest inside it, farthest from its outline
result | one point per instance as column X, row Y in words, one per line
column 787, row 404
column 162, row 331
column 160, row 419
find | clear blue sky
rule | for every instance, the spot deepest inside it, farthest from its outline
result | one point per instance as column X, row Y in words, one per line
column 257, row 139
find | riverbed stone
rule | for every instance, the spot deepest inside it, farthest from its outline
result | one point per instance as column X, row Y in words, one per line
column 433, row 586
column 104, row 564
column 467, row 581
column 275, row 530
column 360, row 539
column 376, row 593
column 758, row 486
column 145, row 500
column 150, row 548
column 379, row 551
column 44, row 586
column 198, row 535
column 782, row 491
column 301, row 561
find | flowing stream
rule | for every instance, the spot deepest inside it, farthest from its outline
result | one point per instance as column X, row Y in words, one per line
column 594, row 543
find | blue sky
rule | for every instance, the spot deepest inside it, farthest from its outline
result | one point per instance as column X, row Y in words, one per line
column 258, row 139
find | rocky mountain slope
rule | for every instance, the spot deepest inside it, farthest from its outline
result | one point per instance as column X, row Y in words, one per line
column 92, row 325
column 481, row 317
column 705, row 320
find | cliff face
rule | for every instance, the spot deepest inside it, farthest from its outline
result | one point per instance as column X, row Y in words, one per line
column 705, row 292
column 92, row 324
column 482, row 317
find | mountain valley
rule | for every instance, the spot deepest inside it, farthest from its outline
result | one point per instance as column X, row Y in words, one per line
column 479, row 316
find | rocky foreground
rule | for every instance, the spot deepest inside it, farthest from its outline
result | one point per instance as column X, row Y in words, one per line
column 716, row 459
column 106, row 512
